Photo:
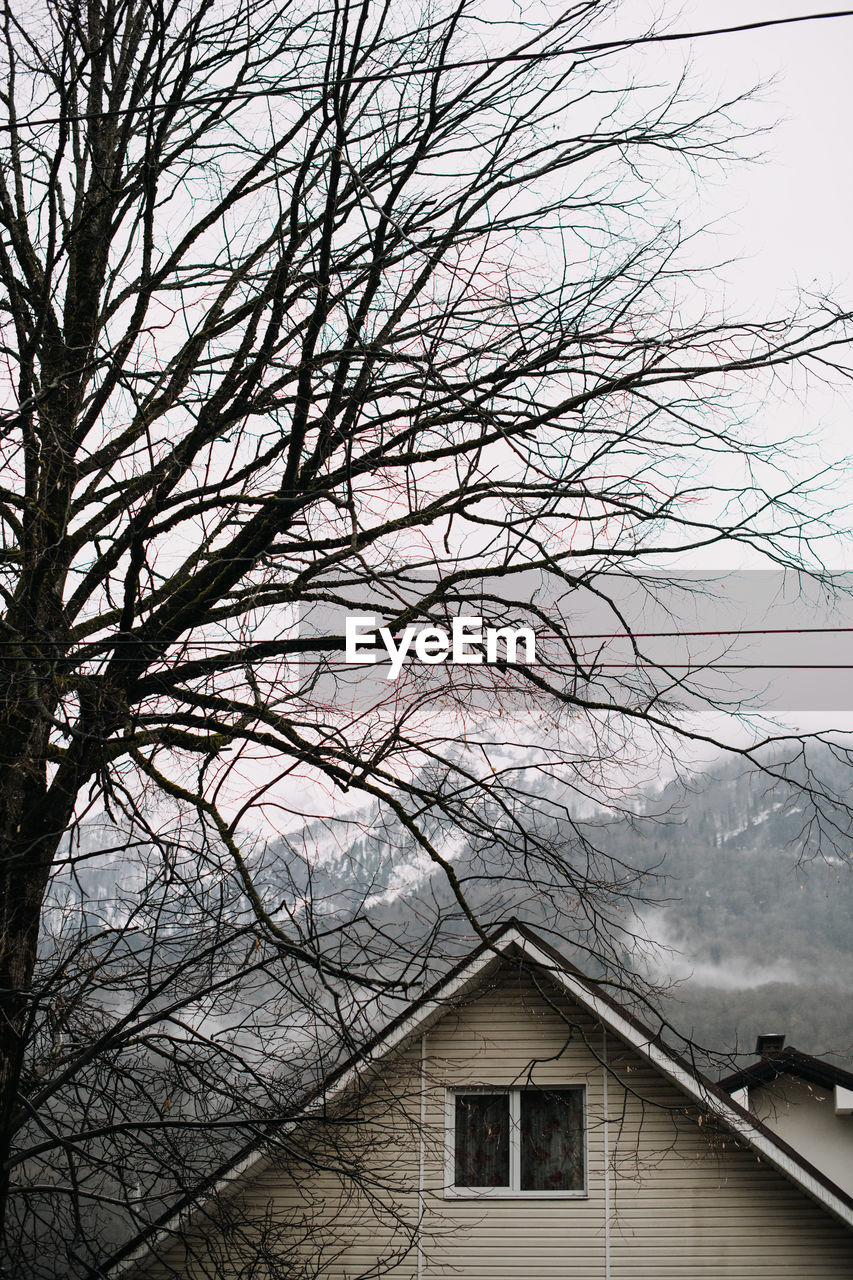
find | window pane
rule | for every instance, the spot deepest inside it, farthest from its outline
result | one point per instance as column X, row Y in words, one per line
column 482, row 1140
column 552, row 1140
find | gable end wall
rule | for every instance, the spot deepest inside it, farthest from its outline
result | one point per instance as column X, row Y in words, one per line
column 675, row 1199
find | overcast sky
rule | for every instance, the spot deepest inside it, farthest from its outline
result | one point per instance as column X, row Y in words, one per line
column 790, row 215
column 787, row 220
column 794, row 218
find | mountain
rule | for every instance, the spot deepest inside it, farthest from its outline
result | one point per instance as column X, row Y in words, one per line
column 750, row 896
column 758, row 910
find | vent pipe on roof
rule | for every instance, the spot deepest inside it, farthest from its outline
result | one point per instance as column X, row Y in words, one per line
column 770, row 1042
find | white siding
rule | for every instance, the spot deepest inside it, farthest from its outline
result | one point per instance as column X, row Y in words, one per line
column 804, row 1116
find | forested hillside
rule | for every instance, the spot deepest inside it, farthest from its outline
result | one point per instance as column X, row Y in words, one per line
column 751, row 902
column 753, row 920
column 760, row 912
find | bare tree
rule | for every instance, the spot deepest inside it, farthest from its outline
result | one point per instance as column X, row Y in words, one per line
column 356, row 307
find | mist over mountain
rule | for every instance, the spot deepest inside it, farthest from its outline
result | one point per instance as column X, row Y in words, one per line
column 751, row 898
column 759, row 921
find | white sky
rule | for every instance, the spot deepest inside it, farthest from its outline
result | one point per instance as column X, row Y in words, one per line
column 794, row 218
column 785, row 220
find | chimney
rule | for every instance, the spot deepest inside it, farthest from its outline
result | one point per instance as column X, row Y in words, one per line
column 769, row 1043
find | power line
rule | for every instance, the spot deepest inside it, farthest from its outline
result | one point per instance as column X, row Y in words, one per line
column 674, row 36
column 247, row 645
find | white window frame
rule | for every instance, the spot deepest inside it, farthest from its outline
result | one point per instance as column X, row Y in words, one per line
column 513, row 1191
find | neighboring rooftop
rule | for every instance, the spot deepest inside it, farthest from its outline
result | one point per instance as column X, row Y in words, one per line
column 787, row 1061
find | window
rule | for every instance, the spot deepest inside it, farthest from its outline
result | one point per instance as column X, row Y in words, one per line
column 516, row 1142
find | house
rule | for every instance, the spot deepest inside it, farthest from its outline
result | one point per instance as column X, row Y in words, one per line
column 514, row 1122
column 805, row 1100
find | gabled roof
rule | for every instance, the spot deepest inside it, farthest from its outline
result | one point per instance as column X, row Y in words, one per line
column 788, row 1062
column 520, row 944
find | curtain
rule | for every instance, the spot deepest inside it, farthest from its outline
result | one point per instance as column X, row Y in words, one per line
column 551, row 1138
column 482, row 1140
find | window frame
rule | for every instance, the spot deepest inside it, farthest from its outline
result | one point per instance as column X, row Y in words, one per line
column 513, row 1191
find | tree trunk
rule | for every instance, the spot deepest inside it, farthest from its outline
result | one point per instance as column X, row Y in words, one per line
column 33, row 821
